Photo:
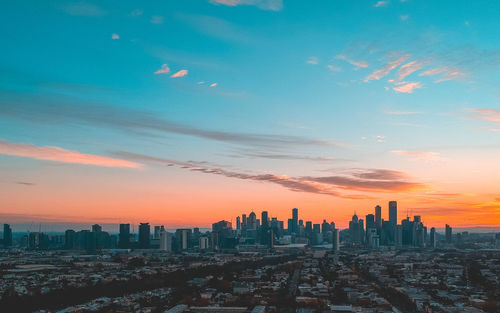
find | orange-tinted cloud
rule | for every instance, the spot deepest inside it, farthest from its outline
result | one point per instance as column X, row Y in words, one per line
column 57, row 154
column 353, row 62
column 447, row 73
column 491, row 115
column 381, row 4
column 115, row 36
column 387, row 68
column 180, row 73
column 164, row 69
column 407, row 69
column 419, row 155
column 408, row 87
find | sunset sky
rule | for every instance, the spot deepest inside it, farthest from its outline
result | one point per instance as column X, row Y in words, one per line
column 183, row 113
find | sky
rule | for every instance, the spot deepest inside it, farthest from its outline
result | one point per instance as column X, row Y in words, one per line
column 183, row 113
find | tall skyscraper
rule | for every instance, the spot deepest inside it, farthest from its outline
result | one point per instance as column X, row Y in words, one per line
column 238, row 223
column 370, row 221
column 432, row 243
column 264, row 219
column 295, row 221
column 295, row 214
column 378, row 216
column 166, row 241
column 393, row 212
column 144, row 235
column 124, row 236
column 7, row 235
column 448, row 233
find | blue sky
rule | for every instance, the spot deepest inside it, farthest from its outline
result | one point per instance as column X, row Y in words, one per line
column 292, row 88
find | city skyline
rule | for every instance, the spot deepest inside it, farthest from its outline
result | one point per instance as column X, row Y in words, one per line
column 183, row 114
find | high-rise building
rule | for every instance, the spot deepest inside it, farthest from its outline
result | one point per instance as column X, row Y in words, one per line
column 432, row 243
column 393, row 212
column 398, row 236
column 157, row 232
column 335, row 240
column 448, row 233
column 166, row 241
column 7, row 235
column 183, row 239
column 370, row 221
column 96, row 228
column 69, row 239
column 144, row 235
column 238, row 223
column 295, row 214
column 204, row 243
column 378, row 216
column 264, row 220
column 124, row 236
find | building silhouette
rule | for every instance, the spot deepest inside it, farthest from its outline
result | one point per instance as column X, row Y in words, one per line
column 124, row 236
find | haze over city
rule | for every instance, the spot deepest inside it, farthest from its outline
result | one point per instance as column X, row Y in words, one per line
column 183, row 113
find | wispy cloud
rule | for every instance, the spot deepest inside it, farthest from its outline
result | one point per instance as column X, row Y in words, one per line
column 379, row 4
column 312, row 60
column 68, row 110
column 408, row 68
column 25, row 183
column 115, row 36
column 213, row 84
column 216, row 27
column 136, row 12
column 404, row 17
column 180, row 73
column 333, row 68
column 387, row 68
column 272, row 5
column 156, row 19
column 419, row 155
column 396, row 112
column 83, row 9
column 407, row 87
column 380, row 138
column 491, row 115
column 357, row 63
column 447, row 73
column 163, row 70
column 350, row 180
column 57, row 154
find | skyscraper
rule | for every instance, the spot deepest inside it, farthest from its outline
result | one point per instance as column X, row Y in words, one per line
column 393, row 212
column 7, row 235
column 378, row 216
column 238, row 223
column 144, row 234
column 124, row 237
column 264, row 219
column 448, row 232
column 295, row 221
column 432, row 243
column 166, row 241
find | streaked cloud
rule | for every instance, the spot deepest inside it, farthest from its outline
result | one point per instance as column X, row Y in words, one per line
column 57, row 154
column 396, row 112
column 25, row 183
column 271, row 5
column 408, row 68
column 312, row 60
column 380, row 138
column 379, row 4
column 419, row 155
column 83, row 9
column 180, row 73
column 407, row 87
column 156, row 19
column 491, row 115
column 387, row 68
column 66, row 110
column 136, row 12
column 163, row 70
column 333, row 68
column 349, row 180
column 213, row 85
column 447, row 73
column 404, row 17
column 357, row 63
column 115, row 36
